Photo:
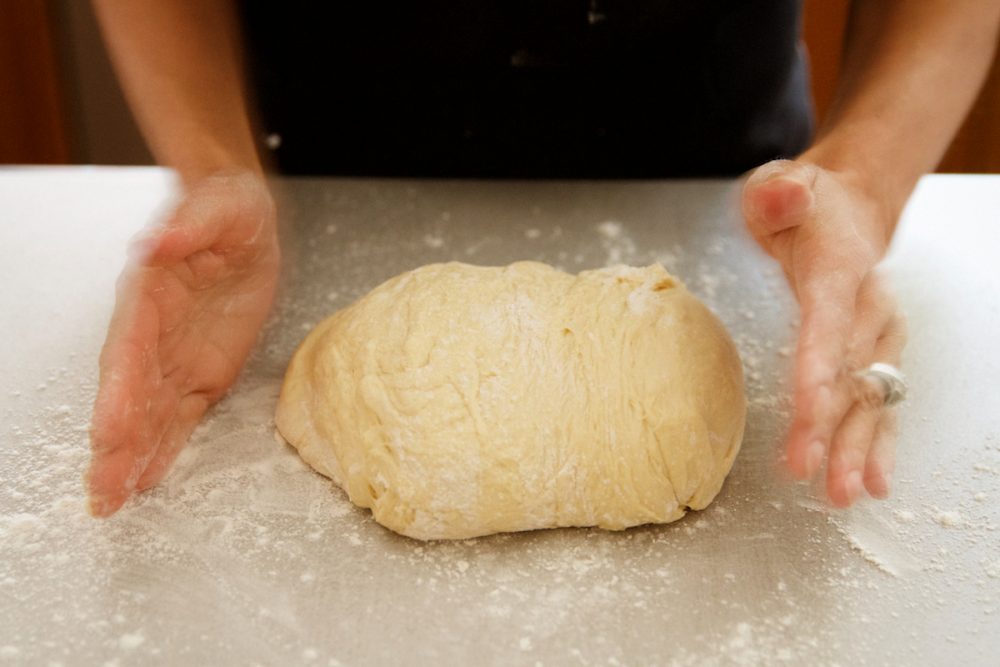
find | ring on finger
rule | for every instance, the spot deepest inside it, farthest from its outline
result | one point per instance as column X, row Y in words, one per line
column 892, row 380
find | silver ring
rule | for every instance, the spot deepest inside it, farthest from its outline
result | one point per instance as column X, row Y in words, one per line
column 893, row 382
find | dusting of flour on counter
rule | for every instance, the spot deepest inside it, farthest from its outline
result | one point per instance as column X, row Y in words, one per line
column 947, row 519
column 245, row 556
column 434, row 241
column 620, row 247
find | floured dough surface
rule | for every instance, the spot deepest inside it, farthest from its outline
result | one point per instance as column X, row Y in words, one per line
column 457, row 400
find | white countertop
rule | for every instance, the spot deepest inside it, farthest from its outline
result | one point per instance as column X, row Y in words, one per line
column 245, row 556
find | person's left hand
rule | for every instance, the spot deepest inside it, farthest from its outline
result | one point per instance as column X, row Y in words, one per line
column 828, row 233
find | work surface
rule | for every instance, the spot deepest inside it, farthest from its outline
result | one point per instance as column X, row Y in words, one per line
column 245, row 556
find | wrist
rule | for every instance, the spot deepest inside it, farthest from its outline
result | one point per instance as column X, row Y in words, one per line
column 212, row 160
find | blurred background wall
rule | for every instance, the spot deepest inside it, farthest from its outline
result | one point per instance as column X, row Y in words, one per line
column 59, row 99
column 60, row 102
column 101, row 126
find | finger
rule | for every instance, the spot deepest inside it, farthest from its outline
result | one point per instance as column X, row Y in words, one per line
column 855, row 461
column 852, row 443
column 881, row 462
column 124, row 439
column 126, row 443
column 189, row 412
column 822, row 397
column 777, row 196
column 132, row 404
column 877, row 315
column 116, row 421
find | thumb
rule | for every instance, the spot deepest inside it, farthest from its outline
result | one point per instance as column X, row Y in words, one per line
column 225, row 211
column 194, row 225
column 778, row 196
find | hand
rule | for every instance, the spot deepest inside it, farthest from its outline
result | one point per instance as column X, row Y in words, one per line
column 190, row 303
column 828, row 234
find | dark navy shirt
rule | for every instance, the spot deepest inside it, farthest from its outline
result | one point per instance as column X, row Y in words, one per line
column 529, row 88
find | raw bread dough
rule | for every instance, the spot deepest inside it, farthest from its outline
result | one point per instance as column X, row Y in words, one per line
column 458, row 400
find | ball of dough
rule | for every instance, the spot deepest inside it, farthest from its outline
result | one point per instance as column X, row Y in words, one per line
column 458, row 400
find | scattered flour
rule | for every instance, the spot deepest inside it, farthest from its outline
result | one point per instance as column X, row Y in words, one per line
column 905, row 516
column 242, row 530
column 434, row 241
column 620, row 247
column 610, row 229
column 947, row 519
column 870, row 556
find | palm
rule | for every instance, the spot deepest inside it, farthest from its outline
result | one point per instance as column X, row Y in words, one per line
column 187, row 314
column 817, row 256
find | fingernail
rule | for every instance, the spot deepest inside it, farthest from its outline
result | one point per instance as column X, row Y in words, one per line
column 141, row 246
column 814, row 457
column 853, row 485
column 96, row 508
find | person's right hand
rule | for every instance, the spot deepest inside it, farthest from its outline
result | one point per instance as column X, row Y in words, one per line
column 829, row 233
column 190, row 302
